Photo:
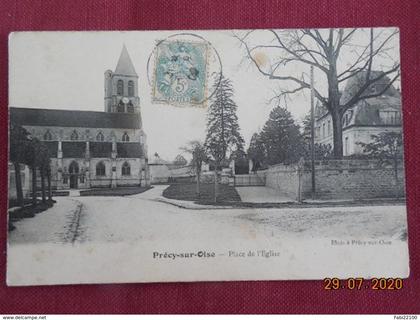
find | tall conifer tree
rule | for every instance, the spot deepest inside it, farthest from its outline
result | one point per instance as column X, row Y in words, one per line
column 223, row 138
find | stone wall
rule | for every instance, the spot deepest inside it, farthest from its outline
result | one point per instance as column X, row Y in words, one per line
column 283, row 178
column 159, row 173
column 185, row 171
column 354, row 179
column 337, row 179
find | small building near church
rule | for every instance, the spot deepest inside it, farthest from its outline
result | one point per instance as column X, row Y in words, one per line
column 368, row 117
column 92, row 149
column 159, row 170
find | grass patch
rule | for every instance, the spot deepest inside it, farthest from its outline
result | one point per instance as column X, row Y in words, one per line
column 30, row 211
column 60, row 193
column 14, row 203
column 188, row 192
column 120, row 191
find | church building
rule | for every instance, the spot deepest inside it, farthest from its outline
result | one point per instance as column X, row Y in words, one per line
column 92, row 149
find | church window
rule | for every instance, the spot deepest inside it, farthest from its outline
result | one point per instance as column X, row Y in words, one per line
column 130, row 107
column 323, row 130
column 100, row 137
column 74, row 135
column 120, row 87
column 373, row 89
column 120, row 107
column 47, row 135
column 100, row 169
column 131, row 88
column 390, row 117
column 125, row 137
column 125, row 169
column 329, row 127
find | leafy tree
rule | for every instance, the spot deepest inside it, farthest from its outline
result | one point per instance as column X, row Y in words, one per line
column 322, row 151
column 18, row 147
column 44, row 161
column 25, row 149
column 281, row 138
column 241, row 162
column 257, row 152
column 199, row 156
column 48, row 172
column 180, row 160
column 386, row 147
column 38, row 160
column 223, row 134
column 283, row 57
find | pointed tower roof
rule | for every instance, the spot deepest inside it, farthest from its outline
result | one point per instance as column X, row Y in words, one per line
column 125, row 65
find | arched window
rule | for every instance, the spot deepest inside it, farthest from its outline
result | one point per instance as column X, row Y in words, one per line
column 73, row 167
column 74, row 135
column 131, row 88
column 100, row 137
column 120, row 87
column 120, row 107
column 130, row 107
column 125, row 137
column 47, row 135
column 125, row 169
column 100, row 169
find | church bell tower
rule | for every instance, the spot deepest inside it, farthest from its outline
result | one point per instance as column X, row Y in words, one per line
column 121, row 86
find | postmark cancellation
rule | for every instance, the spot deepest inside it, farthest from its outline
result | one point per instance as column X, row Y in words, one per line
column 180, row 73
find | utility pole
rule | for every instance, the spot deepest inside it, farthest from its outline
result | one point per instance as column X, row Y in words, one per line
column 312, row 134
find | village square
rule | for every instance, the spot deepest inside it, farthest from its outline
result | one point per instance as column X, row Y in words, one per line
column 92, row 176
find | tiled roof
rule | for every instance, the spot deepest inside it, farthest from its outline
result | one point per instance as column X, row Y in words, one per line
column 368, row 111
column 73, row 149
column 100, row 149
column 354, row 84
column 74, row 118
column 129, row 150
column 158, row 161
column 52, row 148
column 125, row 65
column 77, row 149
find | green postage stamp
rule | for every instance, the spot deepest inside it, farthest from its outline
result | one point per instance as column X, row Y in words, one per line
column 180, row 73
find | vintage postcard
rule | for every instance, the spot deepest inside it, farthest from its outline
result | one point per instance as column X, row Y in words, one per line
column 157, row 156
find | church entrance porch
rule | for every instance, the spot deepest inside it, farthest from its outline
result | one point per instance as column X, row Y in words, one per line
column 73, row 181
column 74, row 175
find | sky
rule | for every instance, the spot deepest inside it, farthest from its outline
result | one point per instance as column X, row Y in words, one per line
column 65, row 70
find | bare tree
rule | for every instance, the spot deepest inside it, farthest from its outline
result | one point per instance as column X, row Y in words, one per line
column 328, row 51
column 199, row 155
